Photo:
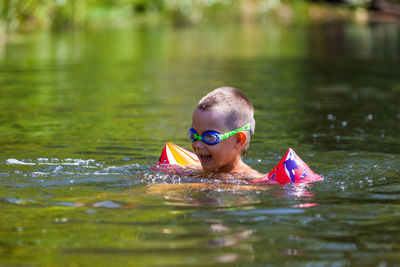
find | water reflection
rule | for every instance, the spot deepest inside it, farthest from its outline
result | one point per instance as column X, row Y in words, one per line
column 261, row 206
column 89, row 91
column 229, row 238
column 85, row 115
column 211, row 195
column 228, row 196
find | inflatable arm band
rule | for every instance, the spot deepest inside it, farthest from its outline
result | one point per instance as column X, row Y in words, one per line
column 291, row 168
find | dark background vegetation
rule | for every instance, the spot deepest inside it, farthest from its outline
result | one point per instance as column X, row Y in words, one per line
column 31, row 15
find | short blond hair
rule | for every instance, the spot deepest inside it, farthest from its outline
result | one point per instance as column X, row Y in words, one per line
column 234, row 105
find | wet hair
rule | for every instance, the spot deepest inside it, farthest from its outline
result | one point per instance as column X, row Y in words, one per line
column 233, row 105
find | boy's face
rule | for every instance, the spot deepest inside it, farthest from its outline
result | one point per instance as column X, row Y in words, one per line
column 223, row 156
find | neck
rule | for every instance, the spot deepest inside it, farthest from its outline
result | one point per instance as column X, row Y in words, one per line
column 233, row 167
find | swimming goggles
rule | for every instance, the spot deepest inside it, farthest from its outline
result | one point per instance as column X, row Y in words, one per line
column 213, row 137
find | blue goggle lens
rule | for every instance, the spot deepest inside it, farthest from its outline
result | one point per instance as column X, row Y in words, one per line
column 210, row 138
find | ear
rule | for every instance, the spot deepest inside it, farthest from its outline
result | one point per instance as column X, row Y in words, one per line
column 242, row 138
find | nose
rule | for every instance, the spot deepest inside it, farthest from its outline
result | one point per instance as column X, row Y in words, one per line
column 198, row 144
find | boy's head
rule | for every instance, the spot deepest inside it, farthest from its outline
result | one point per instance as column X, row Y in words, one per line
column 230, row 103
column 223, row 110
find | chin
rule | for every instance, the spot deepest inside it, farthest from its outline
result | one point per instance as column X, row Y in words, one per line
column 207, row 167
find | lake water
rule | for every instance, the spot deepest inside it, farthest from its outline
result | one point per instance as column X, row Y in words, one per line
column 85, row 115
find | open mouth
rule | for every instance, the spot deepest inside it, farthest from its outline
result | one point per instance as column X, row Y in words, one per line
column 205, row 158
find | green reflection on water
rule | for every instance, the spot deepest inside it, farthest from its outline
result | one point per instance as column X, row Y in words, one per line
column 117, row 96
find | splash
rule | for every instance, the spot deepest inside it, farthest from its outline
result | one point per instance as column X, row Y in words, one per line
column 68, row 171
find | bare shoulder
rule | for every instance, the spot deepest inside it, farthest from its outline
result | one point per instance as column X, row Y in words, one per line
column 250, row 174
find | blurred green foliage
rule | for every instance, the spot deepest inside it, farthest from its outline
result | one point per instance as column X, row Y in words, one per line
column 27, row 15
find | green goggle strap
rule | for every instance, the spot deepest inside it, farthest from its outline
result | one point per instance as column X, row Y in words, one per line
column 244, row 128
column 197, row 137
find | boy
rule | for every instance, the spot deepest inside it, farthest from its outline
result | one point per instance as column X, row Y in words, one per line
column 221, row 127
